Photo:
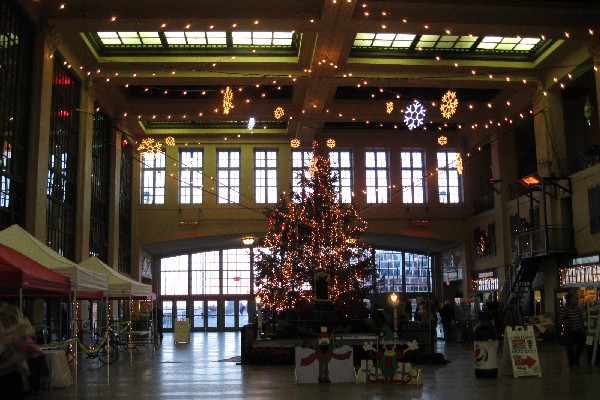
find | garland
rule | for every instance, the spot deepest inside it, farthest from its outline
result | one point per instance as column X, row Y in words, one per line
column 90, row 349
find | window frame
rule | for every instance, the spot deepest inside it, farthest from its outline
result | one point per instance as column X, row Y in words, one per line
column 415, row 183
column 345, row 191
column 203, row 264
column 189, row 175
column 265, row 184
column 228, row 193
column 153, row 173
column 177, row 268
column 299, row 171
column 448, row 171
column 377, row 171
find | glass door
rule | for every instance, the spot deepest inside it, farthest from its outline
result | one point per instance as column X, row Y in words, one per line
column 199, row 315
column 236, row 313
column 217, row 313
column 244, row 316
column 167, row 315
column 230, row 314
column 213, row 314
column 181, row 309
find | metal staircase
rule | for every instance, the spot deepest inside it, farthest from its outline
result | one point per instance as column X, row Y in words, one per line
column 535, row 243
column 518, row 283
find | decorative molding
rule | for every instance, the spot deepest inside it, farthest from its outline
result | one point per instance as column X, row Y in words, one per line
column 88, row 84
column 146, row 267
column 52, row 37
column 594, row 46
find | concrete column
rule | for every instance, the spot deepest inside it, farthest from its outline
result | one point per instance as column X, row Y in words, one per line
column 39, row 138
column 501, row 200
column 114, row 196
column 549, row 132
column 84, row 183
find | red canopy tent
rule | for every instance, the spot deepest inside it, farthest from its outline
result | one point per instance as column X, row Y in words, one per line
column 18, row 271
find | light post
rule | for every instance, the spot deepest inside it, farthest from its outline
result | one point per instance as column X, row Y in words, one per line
column 258, row 301
column 248, row 242
column 394, row 300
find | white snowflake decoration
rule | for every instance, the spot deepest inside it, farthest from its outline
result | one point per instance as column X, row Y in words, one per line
column 251, row 123
column 414, row 115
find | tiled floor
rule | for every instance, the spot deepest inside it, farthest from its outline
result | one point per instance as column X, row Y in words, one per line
column 206, row 369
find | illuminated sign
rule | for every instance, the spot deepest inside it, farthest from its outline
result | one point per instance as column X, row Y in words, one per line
column 583, row 275
column 487, row 284
column 531, row 180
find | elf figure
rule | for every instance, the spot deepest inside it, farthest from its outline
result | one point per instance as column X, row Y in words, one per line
column 388, row 358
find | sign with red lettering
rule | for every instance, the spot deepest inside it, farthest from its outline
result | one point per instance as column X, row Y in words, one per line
column 520, row 352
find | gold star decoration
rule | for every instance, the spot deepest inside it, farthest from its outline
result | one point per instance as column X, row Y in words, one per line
column 389, row 107
column 449, row 104
column 149, row 146
column 227, row 100
column 278, row 113
column 459, row 164
column 170, row 141
column 442, row 140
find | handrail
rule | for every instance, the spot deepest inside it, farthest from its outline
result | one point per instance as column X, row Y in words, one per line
column 545, row 240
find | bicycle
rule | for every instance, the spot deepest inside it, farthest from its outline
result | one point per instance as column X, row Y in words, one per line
column 106, row 351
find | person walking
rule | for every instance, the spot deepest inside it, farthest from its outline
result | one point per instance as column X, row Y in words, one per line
column 447, row 316
column 574, row 334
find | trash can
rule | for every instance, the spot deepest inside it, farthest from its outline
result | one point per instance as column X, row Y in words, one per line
column 485, row 348
column 248, row 337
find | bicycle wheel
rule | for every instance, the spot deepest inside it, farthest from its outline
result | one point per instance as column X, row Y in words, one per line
column 108, row 354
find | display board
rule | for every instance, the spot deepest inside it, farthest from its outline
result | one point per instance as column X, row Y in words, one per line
column 520, row 352
column 181, row 331
column 324, row 365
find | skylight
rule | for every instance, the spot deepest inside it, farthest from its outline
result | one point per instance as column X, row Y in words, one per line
column 212, row 38
column 463, row 45
column 262, row 38
column 508, row 43
column 129, row 38
column 402, row 40
column 180, row 39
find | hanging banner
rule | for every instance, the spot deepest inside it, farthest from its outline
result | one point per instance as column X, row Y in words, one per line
column 520, row 352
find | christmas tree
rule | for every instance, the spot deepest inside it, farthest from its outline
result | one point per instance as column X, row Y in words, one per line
column 313, row 238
